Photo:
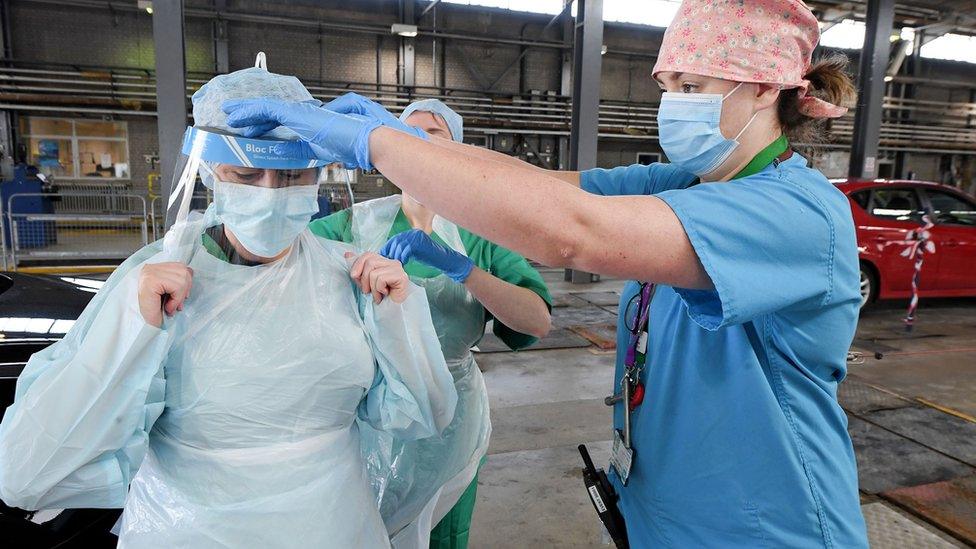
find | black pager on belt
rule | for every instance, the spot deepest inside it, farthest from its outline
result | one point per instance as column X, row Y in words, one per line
column 604, row 499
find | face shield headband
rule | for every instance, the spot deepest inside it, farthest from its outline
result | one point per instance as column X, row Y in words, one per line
column 211, row 146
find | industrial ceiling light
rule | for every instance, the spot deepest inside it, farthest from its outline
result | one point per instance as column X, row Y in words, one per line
column 404, row 30
column 146, row 5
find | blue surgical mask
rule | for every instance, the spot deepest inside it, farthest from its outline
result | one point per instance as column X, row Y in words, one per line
column 265, row 221
column 689, row 132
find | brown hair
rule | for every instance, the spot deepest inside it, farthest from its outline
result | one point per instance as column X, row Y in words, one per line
column 829, row 81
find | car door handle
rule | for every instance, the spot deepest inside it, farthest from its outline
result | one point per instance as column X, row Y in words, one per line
column 952, row 242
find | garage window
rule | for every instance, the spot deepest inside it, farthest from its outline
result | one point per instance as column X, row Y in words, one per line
column 77, row 148
column 895, row 204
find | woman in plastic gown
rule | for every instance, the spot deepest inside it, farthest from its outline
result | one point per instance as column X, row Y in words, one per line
column 468, row 280
column 221, row 372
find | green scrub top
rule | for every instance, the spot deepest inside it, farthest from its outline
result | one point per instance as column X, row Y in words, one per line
column 487, row 256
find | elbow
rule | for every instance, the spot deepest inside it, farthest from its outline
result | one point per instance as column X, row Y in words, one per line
column 540, row 328
column 576, row 243
column 564, row 250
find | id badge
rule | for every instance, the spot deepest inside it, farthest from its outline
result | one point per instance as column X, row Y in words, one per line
column 621, row 457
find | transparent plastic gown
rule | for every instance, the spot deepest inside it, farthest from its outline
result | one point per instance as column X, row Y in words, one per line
column 236, row 423
column 417, row 482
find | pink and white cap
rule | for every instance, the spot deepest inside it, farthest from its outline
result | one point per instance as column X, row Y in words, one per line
column 760, row 41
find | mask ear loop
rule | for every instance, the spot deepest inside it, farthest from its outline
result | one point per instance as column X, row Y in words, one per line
column 735, row 89
column 754, row 115
column 743, row 130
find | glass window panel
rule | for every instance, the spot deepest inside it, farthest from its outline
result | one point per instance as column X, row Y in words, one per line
column 896, row 204
column 48, row 126
column 98, row 158
column 99, row 128
column 51, row 156
column 951, row 209
column 61, row 326
column 861, row 198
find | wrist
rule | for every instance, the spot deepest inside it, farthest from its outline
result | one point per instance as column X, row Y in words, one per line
column 363, row 154
column 377, row 141
column 461, row 275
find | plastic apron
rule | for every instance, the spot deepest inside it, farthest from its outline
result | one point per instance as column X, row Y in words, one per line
column 418, row 482
column 217, row 466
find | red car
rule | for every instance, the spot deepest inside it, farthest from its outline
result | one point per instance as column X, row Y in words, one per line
column 887, row 214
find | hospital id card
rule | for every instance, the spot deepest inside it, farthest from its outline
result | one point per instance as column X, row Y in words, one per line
column 621, row 457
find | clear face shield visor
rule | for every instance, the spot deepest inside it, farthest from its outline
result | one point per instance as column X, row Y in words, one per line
column 253, row 193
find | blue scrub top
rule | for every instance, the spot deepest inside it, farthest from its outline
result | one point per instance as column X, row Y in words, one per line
column 737, row 446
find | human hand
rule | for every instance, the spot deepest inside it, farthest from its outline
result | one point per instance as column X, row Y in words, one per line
column 379, row 276
column 163, row 287
column 326, row 135
column 353, row 103
column 419, row 245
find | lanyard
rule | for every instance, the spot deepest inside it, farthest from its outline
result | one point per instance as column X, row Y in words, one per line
column 637, row 350
column 632, row 390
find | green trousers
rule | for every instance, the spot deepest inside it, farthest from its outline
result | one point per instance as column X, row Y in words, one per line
column 452, row 531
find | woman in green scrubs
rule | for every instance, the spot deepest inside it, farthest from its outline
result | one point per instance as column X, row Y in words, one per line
column 420, row 483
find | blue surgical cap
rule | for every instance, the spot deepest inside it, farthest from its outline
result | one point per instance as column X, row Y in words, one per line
column 454, row 121
column 252, row 83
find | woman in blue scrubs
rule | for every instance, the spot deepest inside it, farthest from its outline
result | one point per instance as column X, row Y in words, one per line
column 746, row 256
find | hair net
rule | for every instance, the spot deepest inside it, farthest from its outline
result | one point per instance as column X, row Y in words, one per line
column 251, row 83
column 454, row 121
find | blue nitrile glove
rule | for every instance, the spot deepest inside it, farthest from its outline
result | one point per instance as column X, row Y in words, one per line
column 326, row 135
column 353, row 103
column 418, row 245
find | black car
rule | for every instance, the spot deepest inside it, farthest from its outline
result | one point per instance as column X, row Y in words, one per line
column 36, row 311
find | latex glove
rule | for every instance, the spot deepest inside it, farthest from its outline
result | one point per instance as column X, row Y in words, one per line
column 326, row 135
column 353, row 103
column 418, row 245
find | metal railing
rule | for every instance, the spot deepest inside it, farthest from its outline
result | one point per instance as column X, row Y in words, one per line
column 38, row 232
column 908, row 124
column 88, row 197
column 157, row 217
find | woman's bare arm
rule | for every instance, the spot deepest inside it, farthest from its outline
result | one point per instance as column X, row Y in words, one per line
column 534, row 213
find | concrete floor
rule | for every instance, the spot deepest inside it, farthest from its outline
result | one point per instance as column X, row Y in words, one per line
column 909, row 417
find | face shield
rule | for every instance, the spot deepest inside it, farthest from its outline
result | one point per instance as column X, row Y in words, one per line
column 254, row 198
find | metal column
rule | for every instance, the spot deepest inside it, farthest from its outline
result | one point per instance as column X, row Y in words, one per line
column 170, row 88
column 565, row 82
column 6, row 118
column 871, row 88
column 587, row 59
column 221, row 54
column 408, row 63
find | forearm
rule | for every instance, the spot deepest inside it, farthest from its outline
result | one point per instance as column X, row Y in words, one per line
column 573, row 178
column 535, row 214
column 518, row 308
column 501, row 202
column 82, row 420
